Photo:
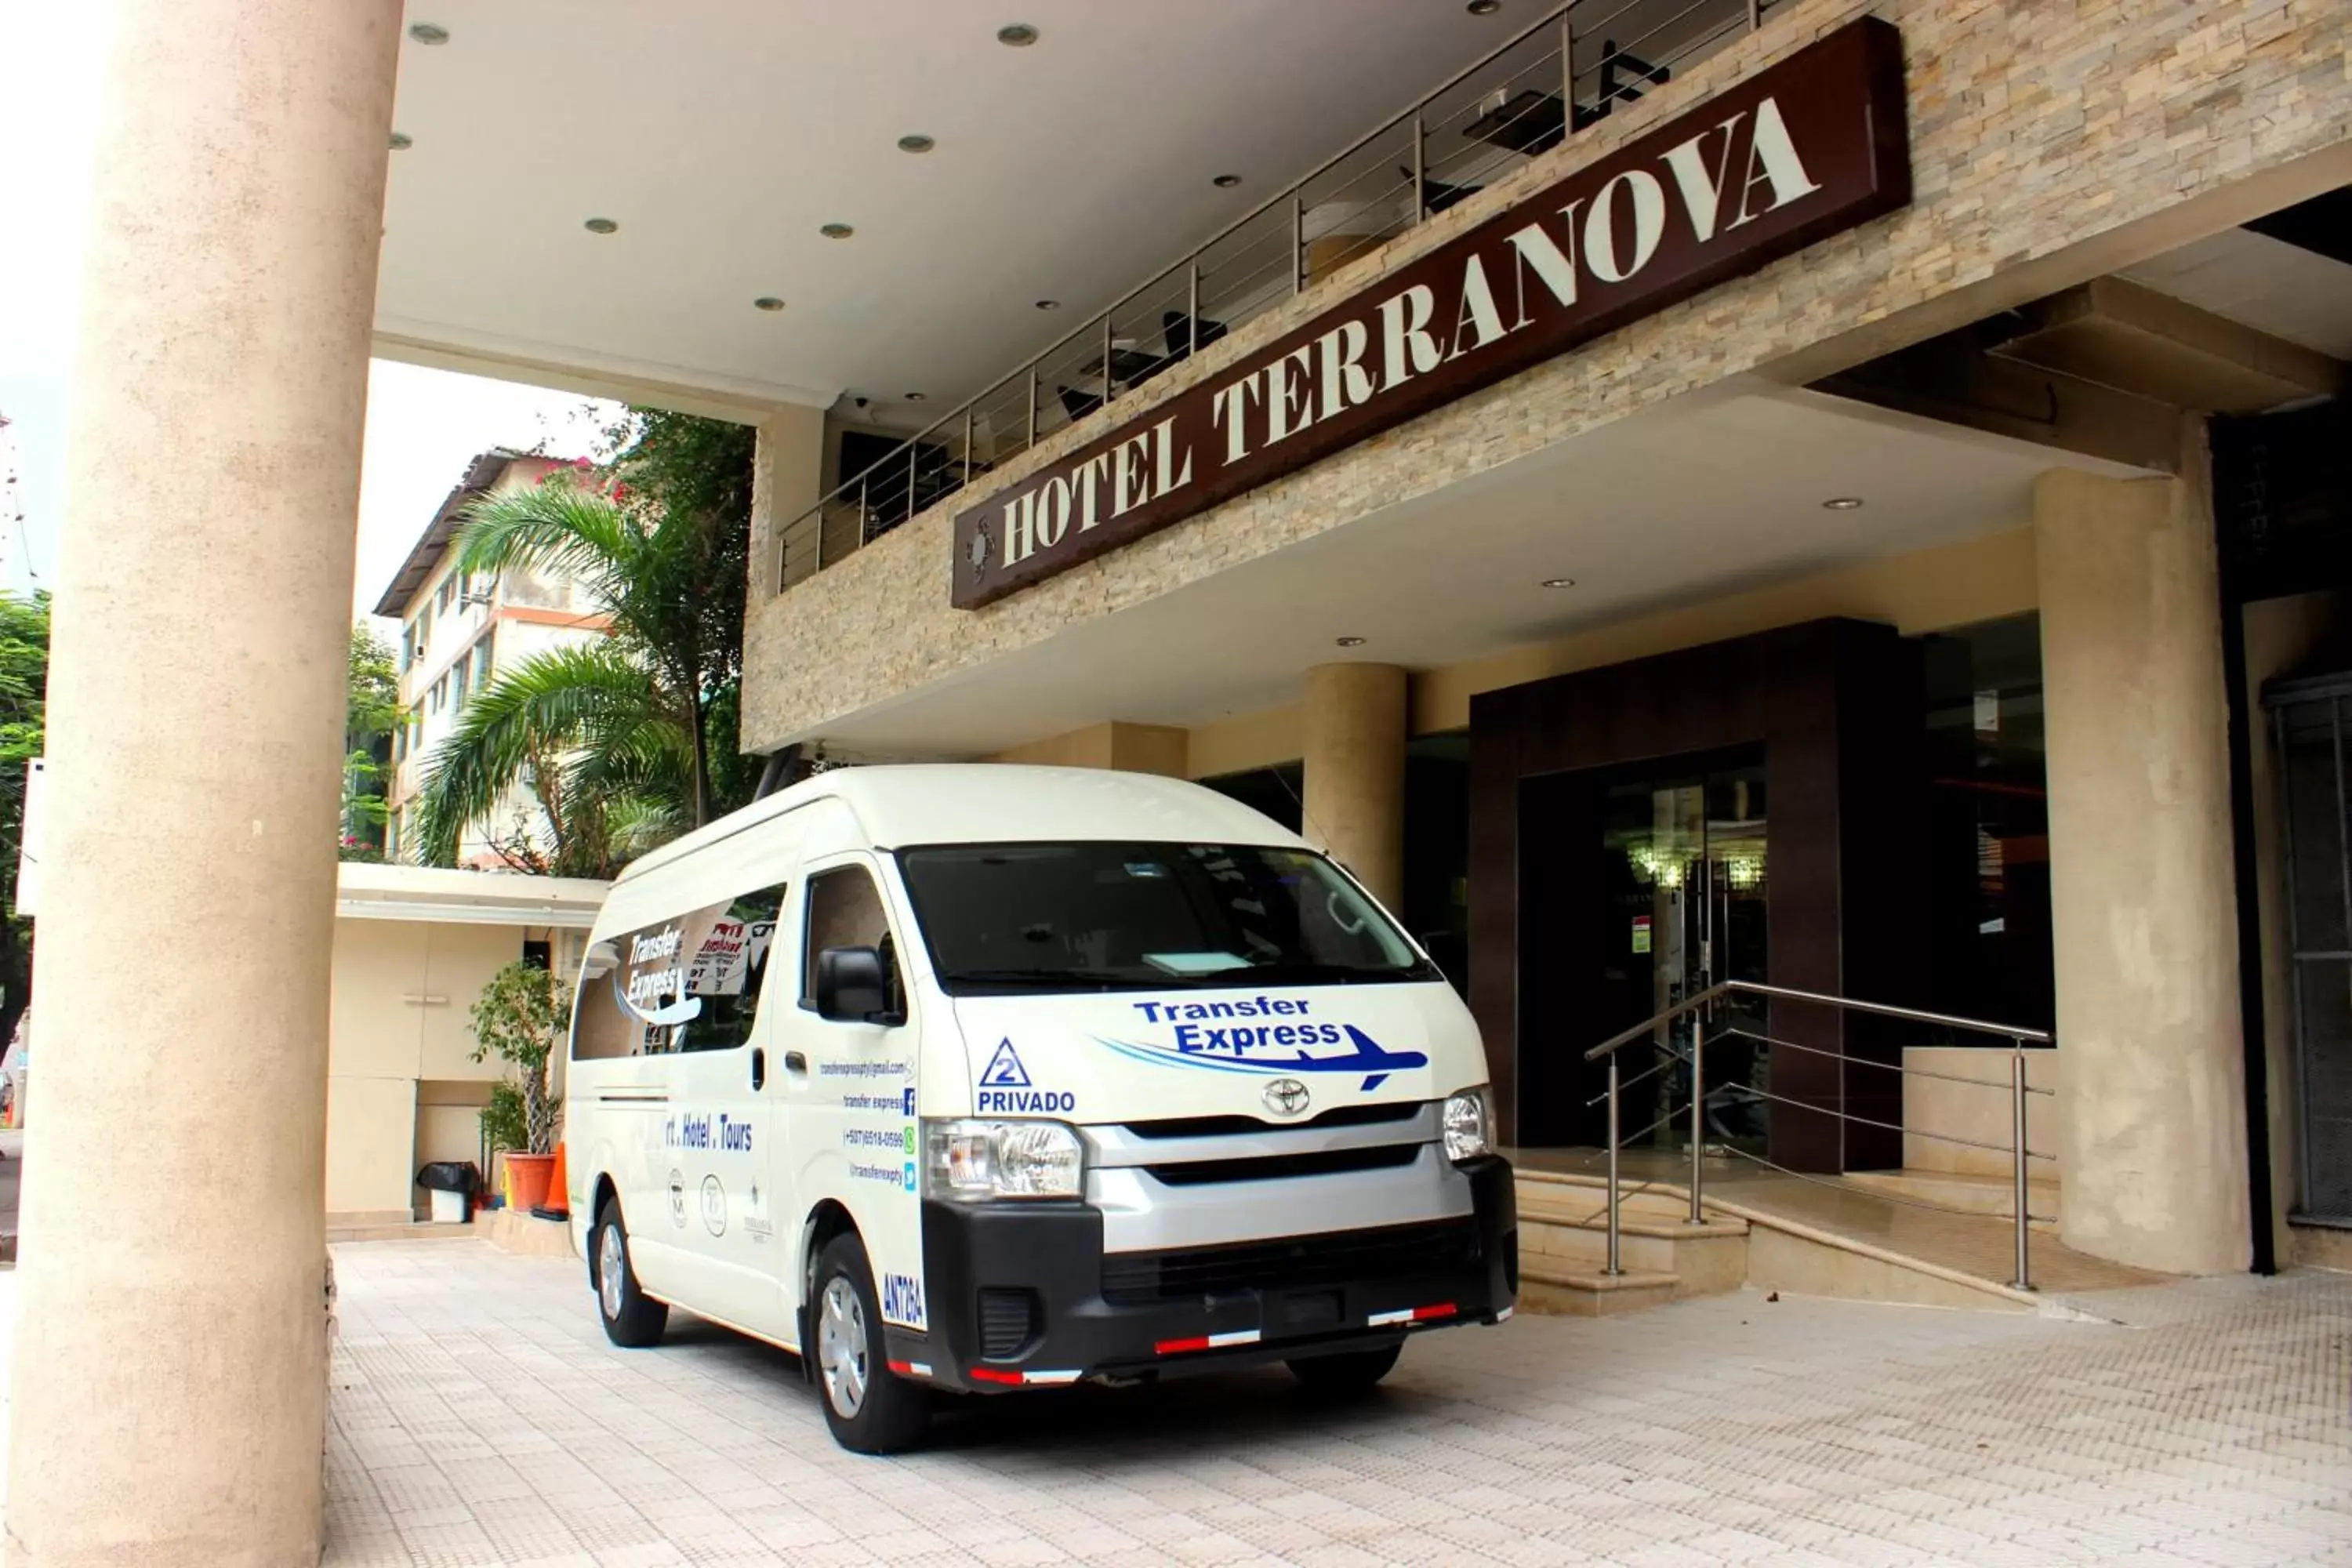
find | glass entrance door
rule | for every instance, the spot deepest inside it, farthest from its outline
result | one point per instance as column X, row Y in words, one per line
column 1684, row 869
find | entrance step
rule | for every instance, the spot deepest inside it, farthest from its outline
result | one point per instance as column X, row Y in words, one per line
column 399, row 1230
column 1816, row 1238
column 1564, row 1290
column 1569, row 1228
column 1971, row 1193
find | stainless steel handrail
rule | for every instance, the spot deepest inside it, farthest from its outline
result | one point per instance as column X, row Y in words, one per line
column 1746, row 16
column 2017, row 1035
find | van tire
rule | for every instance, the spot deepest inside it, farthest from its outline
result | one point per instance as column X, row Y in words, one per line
column 1349, row 1372
column 632, row 1320
column 847, row 1355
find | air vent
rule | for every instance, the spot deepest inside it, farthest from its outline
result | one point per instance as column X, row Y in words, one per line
column 1230, row 1126
column 1008, row 1321
column 1283, row 1167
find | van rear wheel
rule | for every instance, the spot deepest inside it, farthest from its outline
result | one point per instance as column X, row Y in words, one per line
column 870, row 1408
column 632, row 1320
column 1347, row 1373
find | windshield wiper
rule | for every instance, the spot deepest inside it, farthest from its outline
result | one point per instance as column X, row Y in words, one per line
column 1072, row 979
column 1302, row 972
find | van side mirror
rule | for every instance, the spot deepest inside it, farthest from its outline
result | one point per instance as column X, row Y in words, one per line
column 854, row 988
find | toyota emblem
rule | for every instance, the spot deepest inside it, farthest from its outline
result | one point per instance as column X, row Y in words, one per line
column 1286, row 1097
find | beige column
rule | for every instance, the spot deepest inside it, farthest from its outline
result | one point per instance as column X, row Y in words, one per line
column 2143, row 907
column 788, row 464
column 171, row 1348
column 1354, row 768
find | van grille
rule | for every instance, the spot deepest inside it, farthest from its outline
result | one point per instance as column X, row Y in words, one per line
column 1350, row 1258
column 1229, row 1126
column 1278, row 1167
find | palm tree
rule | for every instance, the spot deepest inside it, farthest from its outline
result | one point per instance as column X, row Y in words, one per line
column 614, row 738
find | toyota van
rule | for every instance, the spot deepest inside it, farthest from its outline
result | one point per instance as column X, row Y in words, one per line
column 976, row 1078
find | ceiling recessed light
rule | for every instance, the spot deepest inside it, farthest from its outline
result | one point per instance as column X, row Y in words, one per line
column 915, row 143
column 600, row 226
column 402, row 141
column 836, row 231
column 1842, row 503
column 1226, row 182
column 914, row 396
column 1484, row 7
column 428, row 32
column 1349, row 642
column 1016, row 35
column 1560, row 582
column 767, row 302
column 1049, row 304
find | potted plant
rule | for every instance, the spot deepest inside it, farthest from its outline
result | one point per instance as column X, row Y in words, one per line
column 518, row 1018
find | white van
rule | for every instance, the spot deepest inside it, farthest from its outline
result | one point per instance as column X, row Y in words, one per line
column 984, row 1078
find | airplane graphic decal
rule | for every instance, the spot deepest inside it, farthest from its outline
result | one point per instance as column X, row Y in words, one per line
column 1367, row 1056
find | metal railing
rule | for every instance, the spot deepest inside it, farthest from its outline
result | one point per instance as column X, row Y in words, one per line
column 1562, row 74
column 2018, row 1037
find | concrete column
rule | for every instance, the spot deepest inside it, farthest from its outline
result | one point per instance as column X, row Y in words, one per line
column 2143, row 906
column 1354, row 768
column 788, row 464
column 171, row 1348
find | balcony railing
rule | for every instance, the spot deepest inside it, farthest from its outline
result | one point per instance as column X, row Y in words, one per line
column 1557, row 78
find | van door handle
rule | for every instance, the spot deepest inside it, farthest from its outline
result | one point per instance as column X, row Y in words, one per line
column 759, row 1068
column 796, row 1062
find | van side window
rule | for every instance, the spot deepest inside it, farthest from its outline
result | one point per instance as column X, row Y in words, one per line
column 731, row 947
column 844, row 909
column 690, row 983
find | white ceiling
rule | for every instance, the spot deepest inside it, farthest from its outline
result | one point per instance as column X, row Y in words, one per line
column 721, row 134
column 1714, row 492
column 2263, row 283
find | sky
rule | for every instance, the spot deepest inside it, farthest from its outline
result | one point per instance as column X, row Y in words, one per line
column 423, row 426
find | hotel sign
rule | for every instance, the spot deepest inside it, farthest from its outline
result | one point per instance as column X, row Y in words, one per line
column 1805, row 149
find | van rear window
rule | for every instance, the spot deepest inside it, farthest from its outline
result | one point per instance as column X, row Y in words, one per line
column 1012, row 918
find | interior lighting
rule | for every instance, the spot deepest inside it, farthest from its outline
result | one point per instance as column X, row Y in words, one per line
column 1560, row 582
column 1016, row 35
column 915, row 143
column 428, row 32
column 1351, row 642
column 600, row 226
column 914, row 396
column 1484, row 7
column 836, row 231
column 1226, row 182
column 1842, row 503
column 1049, row 304
column 402, row 141
column 767, row 302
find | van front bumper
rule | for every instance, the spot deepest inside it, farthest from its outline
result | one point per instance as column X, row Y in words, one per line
column 1022, row 1295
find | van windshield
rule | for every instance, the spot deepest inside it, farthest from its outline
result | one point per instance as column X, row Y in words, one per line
column 1014, row 918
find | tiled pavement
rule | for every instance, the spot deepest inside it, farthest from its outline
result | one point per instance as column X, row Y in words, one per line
column 479, row 1418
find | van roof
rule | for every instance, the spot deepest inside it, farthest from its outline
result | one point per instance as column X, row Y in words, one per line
column 996, row 802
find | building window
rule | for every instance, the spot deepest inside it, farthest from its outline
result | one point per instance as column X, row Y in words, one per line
column 463, row 677
column 441, row 599
column 1989, row 824
column 481, row 664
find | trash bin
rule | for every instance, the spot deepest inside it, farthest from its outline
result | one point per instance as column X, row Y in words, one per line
column 452, row 1183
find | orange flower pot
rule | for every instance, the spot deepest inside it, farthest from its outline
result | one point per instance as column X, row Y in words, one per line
column 527, row 1180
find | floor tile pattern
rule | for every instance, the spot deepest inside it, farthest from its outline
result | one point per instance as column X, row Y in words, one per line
column 480, row 1418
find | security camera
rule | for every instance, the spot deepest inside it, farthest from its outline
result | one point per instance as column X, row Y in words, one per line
column 861, row 402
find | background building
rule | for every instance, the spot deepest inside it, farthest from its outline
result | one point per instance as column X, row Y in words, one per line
column 457, row 630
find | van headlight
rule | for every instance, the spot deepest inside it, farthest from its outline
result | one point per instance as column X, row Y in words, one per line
column 974, row 1161
column 1469, row 1127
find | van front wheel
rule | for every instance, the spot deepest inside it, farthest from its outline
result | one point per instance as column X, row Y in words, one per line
column 632, row 1320
column 870, row 1408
